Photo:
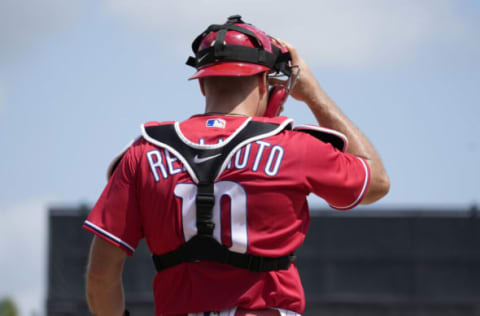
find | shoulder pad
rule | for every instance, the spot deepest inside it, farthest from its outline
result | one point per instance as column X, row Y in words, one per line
column 156, row 123
column 326, row 135
column 116, row 160
column 276, row 120
column 170, row 137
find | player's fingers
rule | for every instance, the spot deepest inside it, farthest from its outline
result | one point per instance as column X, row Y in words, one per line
column 291, row 49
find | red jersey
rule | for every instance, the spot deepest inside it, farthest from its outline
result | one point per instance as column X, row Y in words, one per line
column 260, row 209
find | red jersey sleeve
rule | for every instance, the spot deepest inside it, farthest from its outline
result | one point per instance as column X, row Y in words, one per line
column 339, row 178
column 116, row 216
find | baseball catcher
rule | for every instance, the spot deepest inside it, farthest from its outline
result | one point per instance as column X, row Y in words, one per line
column 220, row 197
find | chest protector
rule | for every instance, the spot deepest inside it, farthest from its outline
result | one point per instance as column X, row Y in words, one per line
column 205, row 163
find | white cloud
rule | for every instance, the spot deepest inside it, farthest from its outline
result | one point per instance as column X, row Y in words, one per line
column 23, row 230
column 330, row 33
column 25, row 23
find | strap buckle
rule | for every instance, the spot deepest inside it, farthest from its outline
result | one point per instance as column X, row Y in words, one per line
column 292, row 258
column 205, row 199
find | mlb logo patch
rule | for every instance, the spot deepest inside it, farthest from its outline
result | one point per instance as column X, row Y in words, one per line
column 216, row 123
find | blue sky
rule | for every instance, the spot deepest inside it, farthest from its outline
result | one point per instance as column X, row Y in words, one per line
column 77, row 78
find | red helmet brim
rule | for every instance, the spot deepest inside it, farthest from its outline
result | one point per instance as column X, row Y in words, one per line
column 229, row 69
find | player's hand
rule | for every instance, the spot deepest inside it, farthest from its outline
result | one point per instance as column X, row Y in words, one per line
column 306, row 86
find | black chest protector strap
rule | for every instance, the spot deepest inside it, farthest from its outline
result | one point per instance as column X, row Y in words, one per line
column 204, row 165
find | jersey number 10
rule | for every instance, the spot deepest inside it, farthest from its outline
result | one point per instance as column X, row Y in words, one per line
column 237, row 196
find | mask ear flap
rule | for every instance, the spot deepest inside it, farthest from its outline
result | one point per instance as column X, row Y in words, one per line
column 276, row 97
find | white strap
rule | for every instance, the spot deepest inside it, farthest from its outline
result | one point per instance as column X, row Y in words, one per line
column 229, row 312
column 285, row 312
column 226, row 312
column 233, row 310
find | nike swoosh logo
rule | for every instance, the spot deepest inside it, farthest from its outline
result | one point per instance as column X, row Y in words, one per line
column 197, row 159
column 201, row 58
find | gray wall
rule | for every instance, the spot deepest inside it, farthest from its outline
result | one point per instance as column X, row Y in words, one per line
column 387, row 262
column 409, row 263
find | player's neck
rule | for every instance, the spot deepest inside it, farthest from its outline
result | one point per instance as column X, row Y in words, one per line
column 245, row 107
column 223, row 113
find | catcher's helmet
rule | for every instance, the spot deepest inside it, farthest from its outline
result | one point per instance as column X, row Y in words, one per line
column 237, row 49
column 240, row 49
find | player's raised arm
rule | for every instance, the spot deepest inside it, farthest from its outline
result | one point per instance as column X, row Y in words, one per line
column 328, row 114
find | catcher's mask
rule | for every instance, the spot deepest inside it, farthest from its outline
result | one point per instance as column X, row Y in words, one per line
column 240, row 49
